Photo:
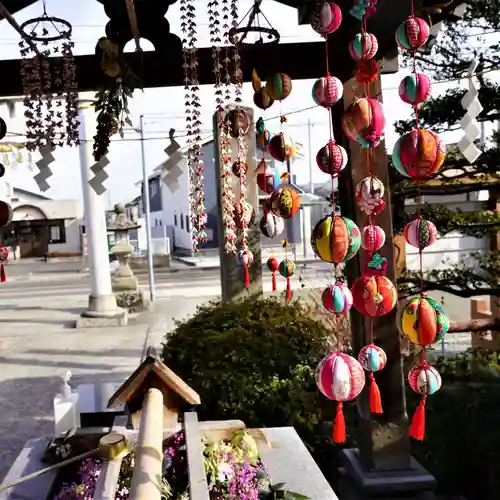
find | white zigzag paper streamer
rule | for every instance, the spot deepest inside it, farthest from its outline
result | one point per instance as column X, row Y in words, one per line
column 43, row 165
column 469, row 124
column 100, row 175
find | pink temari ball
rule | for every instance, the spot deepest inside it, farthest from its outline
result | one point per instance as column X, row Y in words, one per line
column 327, row 91
column 373, row 238
column 372, row 358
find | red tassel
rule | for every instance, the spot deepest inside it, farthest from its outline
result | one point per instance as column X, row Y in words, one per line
column 339, row 425
column 417, row 427
column 288, row 289
column 375, row 399
column 246, row 275
column 274, row 281
column 3, row 279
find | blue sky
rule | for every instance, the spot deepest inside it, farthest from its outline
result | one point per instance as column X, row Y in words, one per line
column 164, row 109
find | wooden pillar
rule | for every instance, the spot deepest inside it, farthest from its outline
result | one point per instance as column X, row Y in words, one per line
column 232, row 281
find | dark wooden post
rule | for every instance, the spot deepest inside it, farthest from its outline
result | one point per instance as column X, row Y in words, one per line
column 383, row 440
column 232, row 282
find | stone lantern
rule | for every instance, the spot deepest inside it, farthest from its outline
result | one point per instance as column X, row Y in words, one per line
column 124, row 284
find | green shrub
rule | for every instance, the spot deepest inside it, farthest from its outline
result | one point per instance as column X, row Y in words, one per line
column 475, row 364
column 254, row 360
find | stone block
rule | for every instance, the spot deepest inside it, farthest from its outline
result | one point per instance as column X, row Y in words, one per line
column 133, row 302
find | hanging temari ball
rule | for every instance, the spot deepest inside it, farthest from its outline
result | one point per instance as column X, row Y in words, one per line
column 370, row 195
column 419, row 154
column 327, row 91
column 424, row 380
column 286, row 268
column 244, row 214
column 335, row 239
column 373, row 359
column 420, row 233
column 6, row 214
column 273, row 266
column 3, row 128
column 326, row 18
column 372, row 238
column 268, row 178
column 415, row 88
column 285, row 202
column 271, row 225
column 240, row 167
column 374, row 295
column 364, row 122
column 423, row 321
column 4, row 255
column 281, row 147
column 237, row 123
column 341, row 378
column 412, row 34
column 279, row 86
column 245, row 259
column 262, row 99
column 331, row 158
column 363, row 47
column 337, row 298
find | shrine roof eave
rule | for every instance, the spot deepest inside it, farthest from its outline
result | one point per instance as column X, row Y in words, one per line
column 298, row 60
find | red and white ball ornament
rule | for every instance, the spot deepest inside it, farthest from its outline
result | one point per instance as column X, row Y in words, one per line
column 327, row 91
column 373, row 359
column 414, row 89
column 363, row 46
column 341, row 378
column 424, row 380
column 271, row 225
column 332, row 158
column 337, row 298
column 420, row 233
column 372, row 238
column 245, row 259
column 370, row 195
column 326, row 18
column 412, row 34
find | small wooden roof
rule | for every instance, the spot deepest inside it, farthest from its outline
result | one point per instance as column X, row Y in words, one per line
column 165, row 376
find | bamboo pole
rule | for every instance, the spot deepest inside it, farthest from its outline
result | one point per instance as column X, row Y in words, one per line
column 146, row 480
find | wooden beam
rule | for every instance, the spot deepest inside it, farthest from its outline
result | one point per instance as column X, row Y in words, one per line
column 383, row 440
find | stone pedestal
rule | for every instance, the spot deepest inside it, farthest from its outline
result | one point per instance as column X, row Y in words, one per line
column 102, row 312
column 408, row 483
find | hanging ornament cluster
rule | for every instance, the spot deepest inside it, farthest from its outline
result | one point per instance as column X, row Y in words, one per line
column 277, row 88
column 48, row 75
column 196, row 169
column 419, row 155
column 335, row 239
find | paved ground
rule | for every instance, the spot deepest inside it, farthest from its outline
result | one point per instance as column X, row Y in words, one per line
column 37, row 346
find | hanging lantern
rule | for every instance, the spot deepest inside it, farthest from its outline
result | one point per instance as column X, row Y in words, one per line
column 6, row 214
column 419, row 154
column 341, row 378
column 281, row 147
column 370, row 195
column 262, row 99
column 423, row 321
column 420, row 233
column 415, row 88
column 279, row 86
column 335, row 239
column 332, row 158
column 424, row 380
column 287, row 270
column 245, row 259
column 326, row 18
column 273, row 266
column 327, row 91
column 364, row 122
column 373, row 359
column 412, row 34
column 285, row 202
column 363, row 46
column 268, row 178
column 337, row 298
column 4, row 255
column 374, row 295
column 271, row 225
column 372, row 238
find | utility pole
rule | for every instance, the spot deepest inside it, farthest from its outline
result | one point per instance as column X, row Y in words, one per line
column 147, row 214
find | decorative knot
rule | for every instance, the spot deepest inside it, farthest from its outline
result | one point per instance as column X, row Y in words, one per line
column 367, row 71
